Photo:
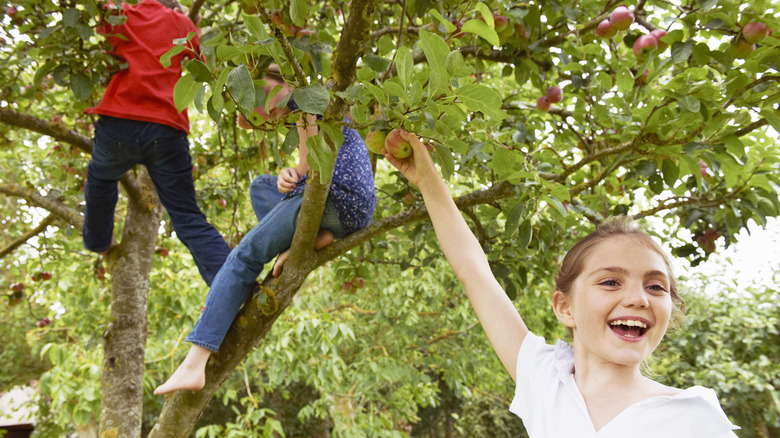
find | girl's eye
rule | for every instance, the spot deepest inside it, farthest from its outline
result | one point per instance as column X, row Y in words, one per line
column 610, row 282
column 657, row 287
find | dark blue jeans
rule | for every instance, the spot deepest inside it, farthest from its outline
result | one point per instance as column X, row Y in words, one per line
column 121, row 144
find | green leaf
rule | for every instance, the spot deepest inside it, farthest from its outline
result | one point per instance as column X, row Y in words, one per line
column 772, row 117
column 481, row 98
column 184, row 92
column 165, row 60
column 81, row 86
column 255, row 27
column 333, row 132
column 404, row 65
column 681, row 51
column 449, row 27
column 524, row 235
column 291, row 141
column 320, row 157
column 670, row 171
column 656, row 183
column 689, row 103
column 443, row 156
column 241, row 87
column 299, row 10
column 456, row 65
column 436, row 51
column 625, row 80
column 481, row 29
column 199, row 70
column 486, row 13
column 313, row 99
column 513, row 219
column 376, row 63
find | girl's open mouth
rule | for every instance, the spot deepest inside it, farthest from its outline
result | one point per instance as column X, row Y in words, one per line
column 628, row 328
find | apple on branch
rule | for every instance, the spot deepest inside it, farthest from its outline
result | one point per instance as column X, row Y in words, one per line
column 375, row 141
column 755, row 32
column 554, row 94
column 542, row 104
column 621, row 18
column 606, row 29
column 396, row 145
column 644, row 45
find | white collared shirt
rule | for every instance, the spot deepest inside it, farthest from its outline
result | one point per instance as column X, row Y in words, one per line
column 550, row 404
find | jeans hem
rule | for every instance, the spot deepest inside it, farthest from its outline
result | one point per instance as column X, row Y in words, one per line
column 212, row 348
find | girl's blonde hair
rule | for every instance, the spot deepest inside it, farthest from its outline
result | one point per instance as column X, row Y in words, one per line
column 574, row 261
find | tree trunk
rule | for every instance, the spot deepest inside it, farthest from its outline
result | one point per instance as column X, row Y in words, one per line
column 129, row 264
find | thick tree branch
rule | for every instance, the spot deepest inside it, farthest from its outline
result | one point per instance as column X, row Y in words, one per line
column 60, row 133
column 501, row 190
column 48, row 202
column 19, row 241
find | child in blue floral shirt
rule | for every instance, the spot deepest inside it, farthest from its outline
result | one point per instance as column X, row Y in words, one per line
column 277, row 201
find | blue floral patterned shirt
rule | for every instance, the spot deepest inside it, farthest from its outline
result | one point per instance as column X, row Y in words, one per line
column 352, row 185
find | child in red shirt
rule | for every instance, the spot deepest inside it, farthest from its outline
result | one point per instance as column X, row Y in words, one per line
column 139, row 124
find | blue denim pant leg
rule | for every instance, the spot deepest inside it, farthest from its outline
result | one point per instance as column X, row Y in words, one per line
column 233, row 283
column 114, row 152
column 264, row 195
column 168, row 160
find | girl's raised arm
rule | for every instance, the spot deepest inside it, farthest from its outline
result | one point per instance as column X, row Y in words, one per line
column 503, row 325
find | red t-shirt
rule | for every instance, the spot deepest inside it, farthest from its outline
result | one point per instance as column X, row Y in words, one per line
column 144, row 90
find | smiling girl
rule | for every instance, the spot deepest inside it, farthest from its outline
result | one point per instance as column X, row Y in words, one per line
column 616, row 292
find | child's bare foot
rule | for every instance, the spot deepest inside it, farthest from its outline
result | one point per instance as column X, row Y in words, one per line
column 324, row 238
column 190, row 375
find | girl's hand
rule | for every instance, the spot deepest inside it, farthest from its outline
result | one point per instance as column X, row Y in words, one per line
column 418, row 168
column 287, row 179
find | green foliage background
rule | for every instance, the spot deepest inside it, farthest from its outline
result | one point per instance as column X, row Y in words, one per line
column 404, row 355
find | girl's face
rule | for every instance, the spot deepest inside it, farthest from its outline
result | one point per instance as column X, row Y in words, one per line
column 620, row 305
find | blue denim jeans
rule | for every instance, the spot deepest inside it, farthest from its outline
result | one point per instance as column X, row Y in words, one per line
column 119, row 145
column 270, row 237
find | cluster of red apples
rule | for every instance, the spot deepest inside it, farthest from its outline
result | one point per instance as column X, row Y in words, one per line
column 744, row 43
column 553, row 95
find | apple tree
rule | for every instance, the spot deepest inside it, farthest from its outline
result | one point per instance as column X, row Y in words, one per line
column 544, row 117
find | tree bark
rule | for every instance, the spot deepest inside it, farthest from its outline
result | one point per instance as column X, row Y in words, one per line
column 129, row 263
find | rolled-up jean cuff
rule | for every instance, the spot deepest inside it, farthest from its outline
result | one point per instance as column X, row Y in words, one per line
column 212, row 348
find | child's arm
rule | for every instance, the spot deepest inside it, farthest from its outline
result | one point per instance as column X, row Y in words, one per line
column 289, row 176
column 498, row 316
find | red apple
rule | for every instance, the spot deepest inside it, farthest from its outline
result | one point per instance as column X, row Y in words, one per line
column 36, row 276
column 100, row 273
column 621, row 18
column 45, row 275
column 658, row 34
column 17, row 287
column 755, row 32
column 644, row 45
column 703, row 166
column 375, row 141
column 500, row 22
column 358, row 282
column 641, row 80
column 43, row 323
column 243, row 122
column 221, row 202
column 606, row 29
column 554, row 94
column 741, row 48
column 396, row 145
column 543, row 104
column 347, row 286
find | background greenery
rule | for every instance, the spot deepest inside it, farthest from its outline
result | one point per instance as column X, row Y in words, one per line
column 400, row 353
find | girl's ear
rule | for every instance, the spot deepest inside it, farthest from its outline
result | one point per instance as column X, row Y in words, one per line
column 562, row 309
